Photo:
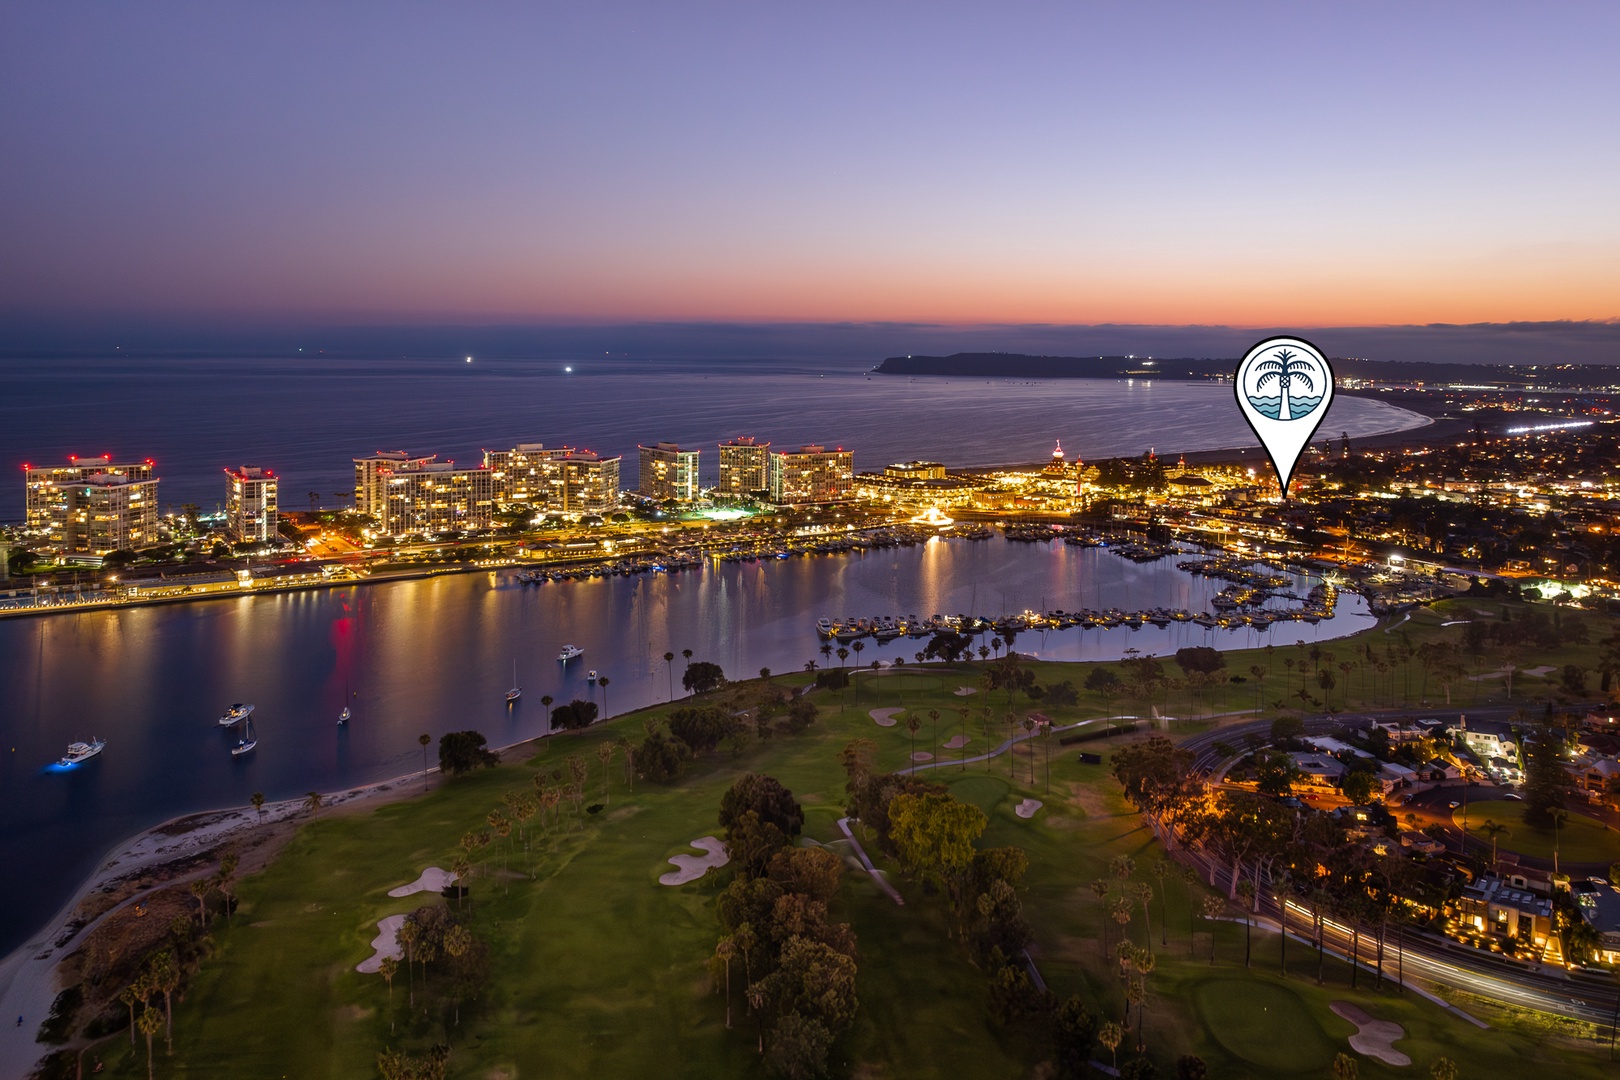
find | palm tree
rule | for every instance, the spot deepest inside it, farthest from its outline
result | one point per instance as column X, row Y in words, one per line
column 1029, row 729
column 388, row 969
column 547, row 700
column 604, row 751
column 165, row 976
column 858, row 646
column 129, row 995
column 933, row 732
column 1099, row 889
column 963, row 755
column 1245, row 890
column 258, row 803
column 1284, row 370
column 1213, row 906
column 151, row 1020
column 669, row 666
column 1111, row 1035
column 199, row 892
column 724, row 951
column 424, row 740
column 1160, row 869
column 602, row 681
column 312, row 803
column 687, row 653
column 228, row 863
column 1494, row 829
column 912, row 724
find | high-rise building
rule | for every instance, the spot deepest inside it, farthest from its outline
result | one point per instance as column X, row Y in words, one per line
column 431, row 496
column 529, row 474
column 251, row 503
column 745, row 466
column 812, row 474
column 669, row 473
column 368, row 487
column 92, row 505
column 590, row 484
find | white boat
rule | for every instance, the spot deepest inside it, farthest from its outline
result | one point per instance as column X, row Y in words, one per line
column 343, row 717
column 81, row 751
column 570, row 652
column 824, row 627
column 516, row 691
column 590, row 676
column 235, row 715
column 246, row 743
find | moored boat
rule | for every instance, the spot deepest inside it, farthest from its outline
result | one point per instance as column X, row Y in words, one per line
column 235, row 715
column 82, row 751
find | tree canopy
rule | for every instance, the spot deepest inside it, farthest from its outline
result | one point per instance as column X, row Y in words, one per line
column 464, row 751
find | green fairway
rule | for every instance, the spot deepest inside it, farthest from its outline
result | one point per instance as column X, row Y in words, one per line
column 600, row 972
column 1579, row 838
column 1250, row 1019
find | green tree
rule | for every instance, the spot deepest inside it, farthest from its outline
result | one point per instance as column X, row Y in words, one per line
column 1358, row 787
column 1074, row 1036
column 1443, row 1069
column 798, row 1048
column 933, row 834
column 1345, row 1067
column 702, row 677
column 1111, row 1034
column 463, row 751
column 1545, row 781
column 150, row 1022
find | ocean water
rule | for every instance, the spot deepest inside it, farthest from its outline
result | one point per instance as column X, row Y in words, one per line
column 306, row 418
column 437, row 655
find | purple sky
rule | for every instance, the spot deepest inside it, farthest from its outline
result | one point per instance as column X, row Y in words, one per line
column 1253, row 165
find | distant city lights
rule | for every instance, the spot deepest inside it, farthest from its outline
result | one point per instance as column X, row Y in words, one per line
column 1550, row 427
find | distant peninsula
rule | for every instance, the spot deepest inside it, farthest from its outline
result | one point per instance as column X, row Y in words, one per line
column 997, row 365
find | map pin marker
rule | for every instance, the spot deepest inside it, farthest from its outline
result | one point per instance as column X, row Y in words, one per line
column 1284, row 387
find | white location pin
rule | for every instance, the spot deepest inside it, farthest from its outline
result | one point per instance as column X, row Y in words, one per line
column 1284, row 387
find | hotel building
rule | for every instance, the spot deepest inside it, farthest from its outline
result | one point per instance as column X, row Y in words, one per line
column 745, row 466
column 251, row 503
column 368, row 472
column 668, row 473
column 590, row 484
column 812, row 474
column 92, row 506
column 529, row 474
column 433, row 496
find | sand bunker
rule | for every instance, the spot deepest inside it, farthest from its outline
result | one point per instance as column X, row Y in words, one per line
column 1376, row 1039
column 1027, row 808
column 385, row 944
column 964, row 691
column 885, row 717
column 432, row 880
column 956, row 742
column 692, row 867
column 922, row 755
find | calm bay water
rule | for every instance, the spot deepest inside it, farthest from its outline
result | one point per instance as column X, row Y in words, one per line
column 307, row 418
column 436, row 655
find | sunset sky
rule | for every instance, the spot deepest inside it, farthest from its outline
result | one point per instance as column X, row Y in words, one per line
column 1245, row 164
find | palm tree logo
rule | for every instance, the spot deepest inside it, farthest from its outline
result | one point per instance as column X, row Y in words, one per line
column 1290, row 372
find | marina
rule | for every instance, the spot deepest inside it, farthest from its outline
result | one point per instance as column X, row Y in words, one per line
column 302, row 657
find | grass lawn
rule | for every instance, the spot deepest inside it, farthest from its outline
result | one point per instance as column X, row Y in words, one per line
column 599, row 972
column 1580, row 838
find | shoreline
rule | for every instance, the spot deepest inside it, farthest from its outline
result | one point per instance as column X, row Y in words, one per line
column 157, row 858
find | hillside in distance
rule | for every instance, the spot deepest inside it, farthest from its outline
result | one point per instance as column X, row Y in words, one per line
column 1021, row 366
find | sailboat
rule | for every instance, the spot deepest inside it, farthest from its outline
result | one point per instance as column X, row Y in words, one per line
column 516, row 691
column 343, row 717
column 248, row 740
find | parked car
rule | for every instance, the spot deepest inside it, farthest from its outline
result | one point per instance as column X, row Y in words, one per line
column 1515, row 796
